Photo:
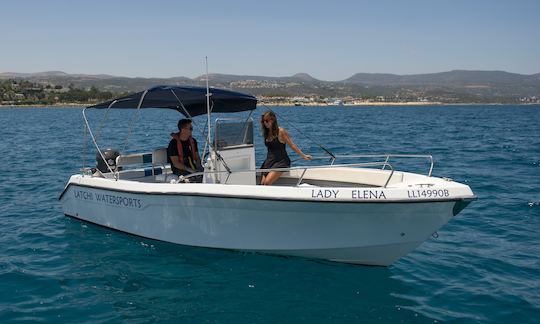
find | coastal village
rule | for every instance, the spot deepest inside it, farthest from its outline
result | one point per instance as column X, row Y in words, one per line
column 292, row 91
column 344, row 101
column 14, row 92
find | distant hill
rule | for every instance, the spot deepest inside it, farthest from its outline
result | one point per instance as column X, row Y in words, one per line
column 100, row 81
column 223, row 78
column 304, row 77
column 456, row 77
column 451, row 86
column 485, row 84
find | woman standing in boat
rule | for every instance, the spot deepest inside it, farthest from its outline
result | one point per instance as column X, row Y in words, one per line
column 275, row 139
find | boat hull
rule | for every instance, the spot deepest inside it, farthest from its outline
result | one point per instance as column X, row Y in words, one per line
column 368, row 233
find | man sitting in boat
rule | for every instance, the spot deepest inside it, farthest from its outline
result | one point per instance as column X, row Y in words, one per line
column 182, row 152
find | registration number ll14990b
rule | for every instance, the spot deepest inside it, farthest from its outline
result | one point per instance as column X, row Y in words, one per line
column 428, row 193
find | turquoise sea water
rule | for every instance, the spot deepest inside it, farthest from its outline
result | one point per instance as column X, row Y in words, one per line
column 483, row 267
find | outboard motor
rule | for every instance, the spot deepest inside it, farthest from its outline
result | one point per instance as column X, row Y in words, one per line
column 110, row 156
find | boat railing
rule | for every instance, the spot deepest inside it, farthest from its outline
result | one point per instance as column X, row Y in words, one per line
column 302, row 169
column 384, row 163
column 386, row 158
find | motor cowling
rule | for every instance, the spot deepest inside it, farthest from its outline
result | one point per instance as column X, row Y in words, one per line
column 110, row 156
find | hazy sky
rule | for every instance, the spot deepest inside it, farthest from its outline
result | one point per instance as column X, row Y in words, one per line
column 330, row 40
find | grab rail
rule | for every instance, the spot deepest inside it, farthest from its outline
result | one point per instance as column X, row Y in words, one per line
column 304, row 168
column 385, row 156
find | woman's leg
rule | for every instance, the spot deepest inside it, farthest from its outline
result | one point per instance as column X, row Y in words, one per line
column 270, row 178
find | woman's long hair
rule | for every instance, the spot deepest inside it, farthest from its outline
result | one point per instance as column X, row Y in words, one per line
column 275, row 128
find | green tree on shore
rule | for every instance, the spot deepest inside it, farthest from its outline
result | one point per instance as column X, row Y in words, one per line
column 22, row 92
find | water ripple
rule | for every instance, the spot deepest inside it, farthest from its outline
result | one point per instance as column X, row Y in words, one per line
column 484, row 266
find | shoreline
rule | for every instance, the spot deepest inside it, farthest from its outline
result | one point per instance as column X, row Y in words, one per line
column 288, row 104
column 67, row 105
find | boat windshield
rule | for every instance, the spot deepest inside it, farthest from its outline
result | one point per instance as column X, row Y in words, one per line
column 233, row 132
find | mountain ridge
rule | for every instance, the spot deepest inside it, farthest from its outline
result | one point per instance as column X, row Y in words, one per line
column 449, row 86
column 361, row 77
column 470, row 76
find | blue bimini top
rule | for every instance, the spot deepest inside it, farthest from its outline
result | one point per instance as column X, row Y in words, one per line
column 188, row 100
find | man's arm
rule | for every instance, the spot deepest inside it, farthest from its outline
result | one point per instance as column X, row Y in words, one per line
column 179, row 165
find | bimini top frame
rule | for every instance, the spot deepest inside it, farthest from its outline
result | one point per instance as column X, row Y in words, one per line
column 188, row 100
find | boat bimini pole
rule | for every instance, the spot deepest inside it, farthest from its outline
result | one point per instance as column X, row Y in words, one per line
column 209, row 133
column 211, row 163
column 93, row 137
column 133, row 119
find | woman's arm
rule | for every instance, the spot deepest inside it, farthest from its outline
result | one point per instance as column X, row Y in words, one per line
column 284, row 137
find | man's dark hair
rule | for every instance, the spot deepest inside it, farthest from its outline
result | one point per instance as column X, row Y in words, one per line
column 183, row 122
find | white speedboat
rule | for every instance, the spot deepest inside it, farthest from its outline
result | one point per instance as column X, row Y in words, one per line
column 359, row 212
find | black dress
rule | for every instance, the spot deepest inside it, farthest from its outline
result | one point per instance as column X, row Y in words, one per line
column 277, row 155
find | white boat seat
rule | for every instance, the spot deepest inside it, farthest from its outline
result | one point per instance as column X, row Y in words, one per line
column 139, row 158
column 159, row 157
column 158, row 160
